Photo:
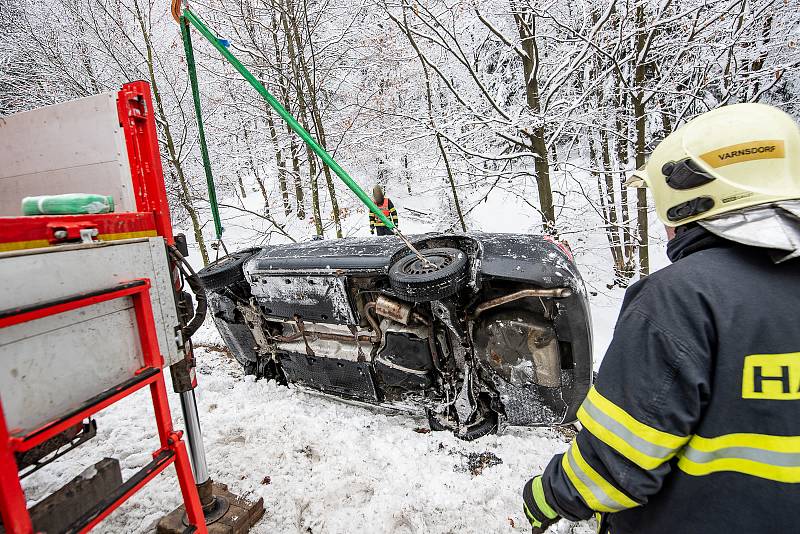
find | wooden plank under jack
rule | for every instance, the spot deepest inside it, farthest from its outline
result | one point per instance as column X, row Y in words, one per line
column 238, row 519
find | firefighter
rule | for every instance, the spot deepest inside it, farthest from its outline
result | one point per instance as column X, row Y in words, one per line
column 692, row 426
column 385, row 205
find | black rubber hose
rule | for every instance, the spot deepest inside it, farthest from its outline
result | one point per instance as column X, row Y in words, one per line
column 197, row 288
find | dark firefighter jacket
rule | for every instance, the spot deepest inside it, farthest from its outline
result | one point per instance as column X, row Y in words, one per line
column 388, row 210
column 693, row 426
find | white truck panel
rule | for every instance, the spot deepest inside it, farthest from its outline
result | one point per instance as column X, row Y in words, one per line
column 73, row 147
column 86, row 351
column 46, row 369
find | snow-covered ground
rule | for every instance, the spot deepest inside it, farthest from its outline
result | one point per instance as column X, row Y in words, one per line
column 321, row 466
column 324, row 466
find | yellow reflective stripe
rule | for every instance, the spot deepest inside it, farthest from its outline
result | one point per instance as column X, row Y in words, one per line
column 23, row 245
column 583, row 490
column 40, row 243
column 537, row 489
column 761, row 455
column 759, row 441
column 531, row 519
column 598, row 518
column 644, row 445
column 606, row 487
column 617, row 443
column 657, row 437
column 127, row 235
column 789, row 475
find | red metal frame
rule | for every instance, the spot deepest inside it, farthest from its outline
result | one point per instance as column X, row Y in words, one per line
column 151, row 218
column 136, row 116
column 13, row 508
column 39, row 231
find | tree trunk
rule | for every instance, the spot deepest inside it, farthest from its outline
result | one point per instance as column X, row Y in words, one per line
column 273, row 131
column 317, row 119
column 273, row 134
column 407, row 173
column 185, row 198
column 526, row 24
column 629, row 245
column 621, row 275
column 451, row 179
column 254, row 168
column 609, row 229
column 758, row 63
column 298, row 184
column 641, row 124
column 432, row 124
column 301, row 105
column 184, row 194
column 241, row 183
column 312, row 171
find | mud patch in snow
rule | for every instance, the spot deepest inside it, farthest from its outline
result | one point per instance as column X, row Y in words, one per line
column 475, row 462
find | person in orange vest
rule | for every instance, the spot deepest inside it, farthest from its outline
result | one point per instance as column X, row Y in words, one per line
column 375, row 224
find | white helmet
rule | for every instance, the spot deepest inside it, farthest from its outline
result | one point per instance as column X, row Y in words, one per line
column 724, row 160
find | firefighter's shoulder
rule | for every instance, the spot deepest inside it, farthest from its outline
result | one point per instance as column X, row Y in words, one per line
column 679, row 300
column 691, row 278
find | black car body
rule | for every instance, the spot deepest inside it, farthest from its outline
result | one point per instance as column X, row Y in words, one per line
column 487, row 330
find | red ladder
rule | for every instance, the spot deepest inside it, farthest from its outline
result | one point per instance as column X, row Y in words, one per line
column 13, row 508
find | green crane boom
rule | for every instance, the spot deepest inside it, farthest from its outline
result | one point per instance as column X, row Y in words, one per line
column 189, row 16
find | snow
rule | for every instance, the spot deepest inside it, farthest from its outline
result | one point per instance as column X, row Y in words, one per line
column 321, row 466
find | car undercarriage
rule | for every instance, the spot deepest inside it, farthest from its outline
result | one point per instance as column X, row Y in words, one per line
column 481, row 331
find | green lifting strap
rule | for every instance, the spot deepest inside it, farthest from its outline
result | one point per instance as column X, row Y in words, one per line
column 273, row 102
column 212, row 191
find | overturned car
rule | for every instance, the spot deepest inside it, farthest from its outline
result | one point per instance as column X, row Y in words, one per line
column 484, row 330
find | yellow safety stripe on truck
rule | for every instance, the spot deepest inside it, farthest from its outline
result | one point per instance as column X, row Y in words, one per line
column 40, row 243
column 22, row 245
column 760, row 455
column 599, row 494
column 127, row 235
column 644, row 445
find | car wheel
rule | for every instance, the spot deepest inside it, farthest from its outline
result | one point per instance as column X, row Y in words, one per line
column 485, row 425
column 225, row 271
column 414, row 280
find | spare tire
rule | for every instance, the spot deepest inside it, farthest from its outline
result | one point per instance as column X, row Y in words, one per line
column 417, row 281
column 225, row 271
